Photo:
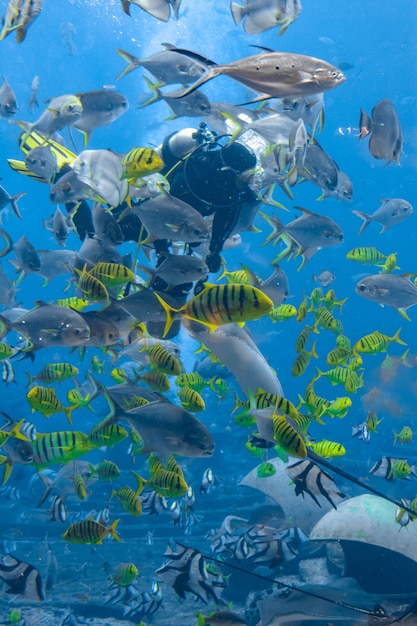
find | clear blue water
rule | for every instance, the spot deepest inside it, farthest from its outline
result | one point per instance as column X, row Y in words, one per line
column 376, row 40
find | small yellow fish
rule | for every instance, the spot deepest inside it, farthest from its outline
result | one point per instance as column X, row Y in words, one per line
column 404, row 436
column 44, row 400
column 88, row 531
column 140, row 162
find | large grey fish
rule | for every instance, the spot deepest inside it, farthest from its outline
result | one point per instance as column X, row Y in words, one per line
column 309, row 233
column 169, row 67
column 99, row 108
column 8, row 102
column 261, row 15
column 273, row 74
column 177, row 269
column 21, row 578
column 386, row 137
column 167, row 429
column 392, row 211
column 6, row 198
column 161, row 9
column 343, row 189
column 27, row 259
column 194, row 105
column 144, row 306
column 236, row 349
column 49, row 325
column 167, row 217
column 56, row 263
column 61, row 111
column 394, row 290
column 102, row 331
column 101, row 170
column 93, row 251
column 319, row 167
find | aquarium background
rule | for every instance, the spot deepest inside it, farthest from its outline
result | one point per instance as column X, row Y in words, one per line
column 376, row 42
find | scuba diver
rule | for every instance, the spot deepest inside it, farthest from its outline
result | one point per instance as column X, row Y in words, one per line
column 208, row 176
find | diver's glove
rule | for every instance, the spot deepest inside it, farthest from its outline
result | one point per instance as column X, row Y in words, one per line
column 213, row 262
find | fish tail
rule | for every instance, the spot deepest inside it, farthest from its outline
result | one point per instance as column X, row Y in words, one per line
column 132, row 62
column 7, row 464
column 238, row 12
column 156, row 93
column 112, row 530
column 211, row 72
column 397, row 339
column 170, row 314
column 367, row 219
column 4, row 326
column 15, row 431
column 141, row 482
column 9, row 243
column 13, row 203
column 48, row 487
column 68, row 411
column 201, row 620
column 276, row 225
column 31, row 379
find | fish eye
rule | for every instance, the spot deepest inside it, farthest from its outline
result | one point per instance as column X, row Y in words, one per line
column 334, row 74
column 361, row 287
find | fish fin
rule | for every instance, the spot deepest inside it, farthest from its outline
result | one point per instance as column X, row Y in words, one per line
column 112, row 530
column 132, row 62
column 365, row 124
column 168, row 312
column 367, row 219
column 403, row 314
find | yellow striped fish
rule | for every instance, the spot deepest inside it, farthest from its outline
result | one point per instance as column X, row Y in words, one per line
column 168, row 481
column 45, row 401
column 54, row 373
column 130, row 499
column 328, row 449
column 59, row 447
column 162, row 360
column 366, row 256
column 376, row 342
column 303, row 359
column 107, row 435
column 282, row 312
column 158, row 381
column 112, row 274
column 88, row 531
column 191, row 400
column 72, row 303
column 93, row 288
column 288, row 437
column 140, row 162
column 193, row 380
column 220, row 304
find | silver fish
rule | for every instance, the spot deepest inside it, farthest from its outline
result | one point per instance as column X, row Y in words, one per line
column 393, row 211
column 389, row 289
column 167, row 429
column 235, row 347
column 69, row 188
column 99, row 108
column 343, row 189
column 194, row 105
column 12, row 17
column 61, row 111
column 309, row 108
column 68, row 32
column 58, row 226
column 56, row 263
column 62, row 484
column 42, row 162
column 93, row 251
column 386, row 138
column 33, row 100
column 102, row 331
column 169, row 67
column 30, row 11
column 167, row 217
column 325, row 278
column 177, row 269
column 275, row 286
column 273, row 74
column 161, row 9
column 50, row 325
column 27, row 259
column 8, row 102
column 309, row 233
column 319, row 168
column 261, row 15
column 101, row 170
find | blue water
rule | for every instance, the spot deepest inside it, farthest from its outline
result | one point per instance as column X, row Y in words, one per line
column 377, row 41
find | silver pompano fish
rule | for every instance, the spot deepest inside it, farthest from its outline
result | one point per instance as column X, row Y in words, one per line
column 56, row 263
column 27, row 259
column 386, row 138
column 309, row 108
column 275, row 286
column 235, row 348
column 6, row 198
column 101, row 170
column 99, row 108
column 261, row 15
column 49, row 325
column 42, row 162
column 69, row 188
column 394, row 290
column 319, row 168
column 167, row 217
column 168, row 429
column 161, row 9
column 168, row 67
column 177, row 269
column 274, row 74
column 61, row 111
column 392, row 211
column 8, row 103
column 106, row 226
